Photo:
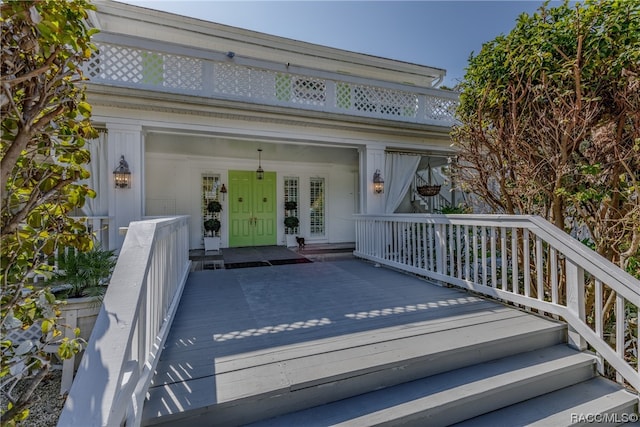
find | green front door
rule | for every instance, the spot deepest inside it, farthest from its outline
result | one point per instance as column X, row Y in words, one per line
column 252, row 209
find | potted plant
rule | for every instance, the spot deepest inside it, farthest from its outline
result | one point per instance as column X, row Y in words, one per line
column 212, row 226
column 80, row 282
column 84, row 274
column 214, row 206
column 291, row 222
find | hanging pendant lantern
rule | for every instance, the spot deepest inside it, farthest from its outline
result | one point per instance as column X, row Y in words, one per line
column 260, row 171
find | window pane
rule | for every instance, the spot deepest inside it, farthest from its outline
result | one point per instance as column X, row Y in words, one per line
column 291, row 195
column 210, row 193
column 317, row 215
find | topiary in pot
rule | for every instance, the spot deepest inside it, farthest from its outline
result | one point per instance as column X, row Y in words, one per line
column 290, row 205
column 214, row 206
column 291, row 222
column 212, row 225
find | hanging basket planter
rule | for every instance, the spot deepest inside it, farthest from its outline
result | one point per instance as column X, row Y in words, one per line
column 429, row 190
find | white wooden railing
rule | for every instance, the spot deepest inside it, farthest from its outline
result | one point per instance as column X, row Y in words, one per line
column 143, row 294
column 524, row 260
column 133, row 62
column 99, row 227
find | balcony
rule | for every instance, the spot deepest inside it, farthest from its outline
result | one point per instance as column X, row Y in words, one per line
column 142, row 64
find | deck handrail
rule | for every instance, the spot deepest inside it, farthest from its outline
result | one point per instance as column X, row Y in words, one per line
column 134, row 62
column 524, row 260
column 137, row 311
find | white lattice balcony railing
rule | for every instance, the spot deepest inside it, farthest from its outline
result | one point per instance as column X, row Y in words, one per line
column 144, row 64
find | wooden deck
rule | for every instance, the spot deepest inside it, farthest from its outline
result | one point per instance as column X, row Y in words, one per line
column 269, row 330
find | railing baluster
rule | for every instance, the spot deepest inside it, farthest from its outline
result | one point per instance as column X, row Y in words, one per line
column 526, row 264
column 384, row 242
column 451, row 262
column 424, row 246
column 430, row 238
column 440, row 243
column 514, row 261
column 416, row 262
column 539, row 269
column 475, row 254
column 483, row 243
column 394, row 241
column 406, row 252
column 467, row 251
column 553, row 255
column 575, row 301
column 494, row 261
column 620, row 335
column 503, row 263
column 598, row 320
column 459, row 251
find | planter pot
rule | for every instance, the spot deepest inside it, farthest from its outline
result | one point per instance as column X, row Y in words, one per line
column 211, row 244
column 290, row 240
column 77, row 313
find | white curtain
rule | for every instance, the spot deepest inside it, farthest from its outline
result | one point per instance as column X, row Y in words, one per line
column 399, row 172
column 99, row 180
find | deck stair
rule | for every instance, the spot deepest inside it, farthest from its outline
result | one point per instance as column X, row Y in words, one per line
column 433, row 372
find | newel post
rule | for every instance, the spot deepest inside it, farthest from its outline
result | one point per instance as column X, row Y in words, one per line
column 575, row 301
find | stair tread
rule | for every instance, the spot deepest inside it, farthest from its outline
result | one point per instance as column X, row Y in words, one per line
column 303, row 375
column 440, row 393
column 563, row 407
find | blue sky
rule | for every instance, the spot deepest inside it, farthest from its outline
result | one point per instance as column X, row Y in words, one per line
column 440, row 34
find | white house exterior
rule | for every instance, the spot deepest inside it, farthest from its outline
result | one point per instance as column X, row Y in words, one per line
column 189, row 103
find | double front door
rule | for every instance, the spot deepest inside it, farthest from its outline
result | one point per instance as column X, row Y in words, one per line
column 252, row 209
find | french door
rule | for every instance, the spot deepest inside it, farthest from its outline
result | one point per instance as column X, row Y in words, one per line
column 252, row 209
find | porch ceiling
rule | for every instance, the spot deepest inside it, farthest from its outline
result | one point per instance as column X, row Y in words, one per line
column 231, row 148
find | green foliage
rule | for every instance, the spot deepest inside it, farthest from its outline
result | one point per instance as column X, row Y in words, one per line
column 290, row 205
column 87, row 273
column 45, row 120
column 214, row 206
column 550, row 124
column 212, row 225
column 291, row 222
column 460, row 209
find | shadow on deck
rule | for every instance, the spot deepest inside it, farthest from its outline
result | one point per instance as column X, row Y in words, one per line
column 242, row 339
column 231, row 314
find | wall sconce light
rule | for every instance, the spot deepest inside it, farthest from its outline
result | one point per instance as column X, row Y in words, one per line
column 223, row 190
column 260, row 171
column 378, row 182
column 122, row 174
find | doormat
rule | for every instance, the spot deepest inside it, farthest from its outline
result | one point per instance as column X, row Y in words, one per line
column 289, row 261
column 266, row 263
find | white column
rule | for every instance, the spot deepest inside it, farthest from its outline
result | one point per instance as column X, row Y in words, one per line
column 372, row 158
column 125, row 204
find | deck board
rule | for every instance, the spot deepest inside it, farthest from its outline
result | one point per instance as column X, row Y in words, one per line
column 272, row 329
